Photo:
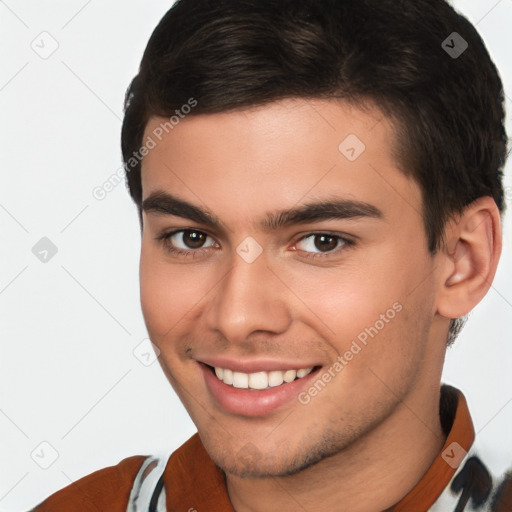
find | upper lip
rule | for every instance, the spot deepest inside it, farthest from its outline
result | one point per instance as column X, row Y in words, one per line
column 254, row 365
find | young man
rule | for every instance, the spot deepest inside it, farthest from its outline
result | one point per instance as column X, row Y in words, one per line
column 319, row 189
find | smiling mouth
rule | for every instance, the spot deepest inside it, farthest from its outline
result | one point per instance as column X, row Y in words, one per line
column 259, row 380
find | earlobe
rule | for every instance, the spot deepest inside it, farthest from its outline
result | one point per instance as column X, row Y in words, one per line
column 469, row 258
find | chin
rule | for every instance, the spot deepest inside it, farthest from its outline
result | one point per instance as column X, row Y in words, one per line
column 252, row 462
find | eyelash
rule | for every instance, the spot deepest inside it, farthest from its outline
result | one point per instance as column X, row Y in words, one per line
column 193, row 253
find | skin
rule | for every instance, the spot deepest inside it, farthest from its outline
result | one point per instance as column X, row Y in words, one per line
column 377, row 420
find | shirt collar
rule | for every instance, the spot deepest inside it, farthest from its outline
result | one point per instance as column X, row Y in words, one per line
column 457, row 424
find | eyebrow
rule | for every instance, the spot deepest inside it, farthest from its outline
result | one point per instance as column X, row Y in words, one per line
column 163, row 203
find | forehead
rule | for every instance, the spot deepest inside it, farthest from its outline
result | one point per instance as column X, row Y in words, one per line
column 277, row 155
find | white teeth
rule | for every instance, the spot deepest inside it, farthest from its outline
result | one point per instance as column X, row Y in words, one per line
column 303, row 372
column 275, row 378
column 227, row 376
column 259, row 380
column 289, row 375
column 240, row 380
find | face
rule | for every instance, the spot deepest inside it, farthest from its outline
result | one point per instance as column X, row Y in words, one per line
column 285, row 279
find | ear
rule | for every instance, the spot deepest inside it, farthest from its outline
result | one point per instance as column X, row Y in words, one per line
column 469, row 258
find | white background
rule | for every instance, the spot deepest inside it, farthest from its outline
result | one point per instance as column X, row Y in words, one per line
column 68, row 375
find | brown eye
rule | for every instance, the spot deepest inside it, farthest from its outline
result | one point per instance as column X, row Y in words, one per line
column 193, row 239
column 323, row 244
column 186, row 241
column 320, row 242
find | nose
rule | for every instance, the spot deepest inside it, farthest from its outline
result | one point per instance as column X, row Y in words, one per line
column 249, row 298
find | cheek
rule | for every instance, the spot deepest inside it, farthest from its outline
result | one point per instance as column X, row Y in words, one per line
column 377, row 300
column 172, row 295
column 164, row 295
column 166, row 301
column 343, row 302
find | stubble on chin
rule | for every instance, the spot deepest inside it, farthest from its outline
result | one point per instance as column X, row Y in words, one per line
column 251, row 461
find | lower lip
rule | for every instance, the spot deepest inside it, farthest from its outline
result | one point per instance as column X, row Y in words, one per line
column 255, row 402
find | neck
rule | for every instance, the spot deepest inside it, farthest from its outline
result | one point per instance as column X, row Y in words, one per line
column 372, row 474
